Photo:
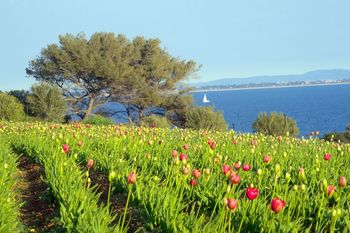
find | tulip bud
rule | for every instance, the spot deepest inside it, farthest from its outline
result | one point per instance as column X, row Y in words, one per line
column 327, row 156
column 342, row 181
column 267, row 159
column 174, row 153
column 278, row 169
column 330, row 190
column 90, row 163
column 156, row 178
column 324, row 184
column 334, row 213
column 259, row 172
column 186, row 146
column 295, row 187
column 196, row 173
column 231, row 203
column 207, row 171
column 302, row 187
column 132, row 178
column 287, row 176
column 111, row 176
column 339, row 212
column 193, row 182
column 185, row 170
column 228, row 188
column 235, row 179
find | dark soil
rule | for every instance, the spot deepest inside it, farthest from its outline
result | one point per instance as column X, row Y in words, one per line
column 134, row 217
column 38, row 212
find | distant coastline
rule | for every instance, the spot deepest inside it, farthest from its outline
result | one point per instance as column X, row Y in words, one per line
column 268, row 87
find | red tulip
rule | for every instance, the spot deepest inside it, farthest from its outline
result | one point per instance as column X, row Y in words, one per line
column 252, row 193
column 235, row 179
column 196, row 173
column 246, row 167
column 267, row 159
column 253, row 142
column 327, row 156
column 237, row 165
column 277, row 205
column 330, row 190
column 132, row 178
column 65, row 148
column 342, row 181
column 211, row 144
column 90, row 163
column 186, row 146
column 174, row 153
column 235, row 142
column 226, row 169
column 193, row 182
column 183, row 157
column 231, row 203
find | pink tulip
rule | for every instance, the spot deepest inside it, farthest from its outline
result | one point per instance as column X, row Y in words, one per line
column 132, row 178
column 246, row 167
column 90, row 163
column 231, row 203
column 65, row 148
column 277, row 205
column 196, row 173
column 252, row 193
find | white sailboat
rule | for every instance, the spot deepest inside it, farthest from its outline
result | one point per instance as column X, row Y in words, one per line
column 205, row 100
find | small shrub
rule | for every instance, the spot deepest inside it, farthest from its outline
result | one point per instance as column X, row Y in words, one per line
column 99, row 120
column 343, row 137
column 10, row 108
column 337, row 137
column 153, row 121
column 46, row 102
column 205, row 118
column 275, row 124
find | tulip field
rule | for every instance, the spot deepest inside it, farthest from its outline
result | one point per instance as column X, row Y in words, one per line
column 129, row 179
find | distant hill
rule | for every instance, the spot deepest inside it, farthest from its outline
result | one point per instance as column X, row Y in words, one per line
column 317, row 75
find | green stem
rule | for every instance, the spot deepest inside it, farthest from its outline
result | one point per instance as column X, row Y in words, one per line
column 126, row 207
column 109, row 194
column 229, row 221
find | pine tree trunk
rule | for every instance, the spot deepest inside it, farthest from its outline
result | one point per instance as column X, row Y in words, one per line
column 89, row 109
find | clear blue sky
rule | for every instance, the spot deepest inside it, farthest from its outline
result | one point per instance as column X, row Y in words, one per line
column 232, row 38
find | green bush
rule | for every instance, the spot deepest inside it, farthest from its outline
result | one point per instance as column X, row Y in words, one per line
column 153, row 121
column 337, row 137
column 205, row 118
column 99, row 120
column 275, row 124
column 343, row 137
column 10, row 108
column 46, row 103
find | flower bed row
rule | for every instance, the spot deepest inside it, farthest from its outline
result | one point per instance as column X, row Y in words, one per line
column 78, row 203
column 9, row 205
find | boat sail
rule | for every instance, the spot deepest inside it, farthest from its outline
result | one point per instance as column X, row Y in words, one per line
column 205, row 100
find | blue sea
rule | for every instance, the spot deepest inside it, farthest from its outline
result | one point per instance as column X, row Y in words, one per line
column 315, row 108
